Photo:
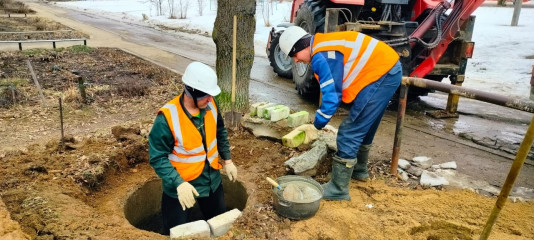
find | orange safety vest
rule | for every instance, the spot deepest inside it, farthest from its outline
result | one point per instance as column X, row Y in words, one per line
column 189, row 155
column 365, row 59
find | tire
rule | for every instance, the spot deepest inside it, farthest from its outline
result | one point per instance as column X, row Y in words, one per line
column 311, row 17
column 279, row 61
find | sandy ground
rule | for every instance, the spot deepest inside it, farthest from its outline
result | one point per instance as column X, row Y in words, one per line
column 79, row 191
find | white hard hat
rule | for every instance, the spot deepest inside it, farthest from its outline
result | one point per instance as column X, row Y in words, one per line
column 200, row 76
column 290, row 36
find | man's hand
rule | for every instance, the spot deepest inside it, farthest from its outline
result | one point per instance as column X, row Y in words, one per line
column 231, row 170
column 311, row 132
column 185, row 195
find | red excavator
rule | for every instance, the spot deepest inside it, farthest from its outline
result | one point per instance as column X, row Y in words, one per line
column 432, row 37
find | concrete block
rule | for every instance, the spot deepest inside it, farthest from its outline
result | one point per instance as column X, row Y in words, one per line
column 432, row 179
column 261, row 109
column 298, row 118
column 221, row 223
column 196, row 229
column 254, row 108
column 294, row 138
column 267, row 111
column 280, row 113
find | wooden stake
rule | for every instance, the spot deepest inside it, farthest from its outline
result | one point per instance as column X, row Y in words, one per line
column 36, row 82
column 61, row 122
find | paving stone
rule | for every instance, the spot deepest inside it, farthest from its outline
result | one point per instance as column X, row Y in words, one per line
column 196, row 229
column 221, row 223
column 294, row 138
column 298, row 118
column 268, row 110
column 416, row 171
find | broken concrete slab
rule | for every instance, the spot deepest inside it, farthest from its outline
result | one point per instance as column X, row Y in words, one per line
column 221, row 223
column 422, row 161
column 196, row 229
column 262, row 128
column 448, row 165
column 416, row 171
column 306, row 163
column 404, row 164
column 432, row 179
column 298, row 118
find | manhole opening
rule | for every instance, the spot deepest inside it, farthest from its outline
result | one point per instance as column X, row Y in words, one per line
column 143, row 206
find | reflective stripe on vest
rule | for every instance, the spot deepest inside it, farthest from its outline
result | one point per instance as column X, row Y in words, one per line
column 189, row 155
column 365, row 59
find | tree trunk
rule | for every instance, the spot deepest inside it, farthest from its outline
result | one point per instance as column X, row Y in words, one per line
column 222, row 36
column 501, row 2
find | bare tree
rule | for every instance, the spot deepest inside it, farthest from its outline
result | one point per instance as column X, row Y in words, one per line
column 501, row 2
column 172, row 9
column 222, row 36
column 200, row 7
column 158, row 4
column 183, row 6
column 265, row 10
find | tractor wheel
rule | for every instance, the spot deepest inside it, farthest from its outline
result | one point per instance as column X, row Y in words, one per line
column 311, row 17
column 279, row 61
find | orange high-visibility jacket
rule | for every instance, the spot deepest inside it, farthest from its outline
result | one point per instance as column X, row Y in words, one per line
column 188, row 155
column 365, row 59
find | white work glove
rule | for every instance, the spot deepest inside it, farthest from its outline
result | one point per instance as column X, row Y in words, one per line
column 231, row 170
column 185, row 195
column 310, row 131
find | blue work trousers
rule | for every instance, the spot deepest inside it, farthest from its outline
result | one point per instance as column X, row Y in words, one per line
column 360, row 126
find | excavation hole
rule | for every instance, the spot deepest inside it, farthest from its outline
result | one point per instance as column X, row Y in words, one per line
column 143, row 206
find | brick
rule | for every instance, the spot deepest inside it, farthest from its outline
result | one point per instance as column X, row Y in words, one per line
column 221, row 223
column 261, row 109
column 254, row 108
column 197, row 229
column 279, row 113
column 297, row 119
column 294, row 138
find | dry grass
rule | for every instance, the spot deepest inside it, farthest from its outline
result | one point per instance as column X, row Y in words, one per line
column 11, row 6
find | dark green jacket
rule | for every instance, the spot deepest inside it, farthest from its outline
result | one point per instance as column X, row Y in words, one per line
column 161, row 143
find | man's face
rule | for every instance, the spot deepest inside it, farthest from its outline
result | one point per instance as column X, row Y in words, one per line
column 203, row 102
column 303, row 56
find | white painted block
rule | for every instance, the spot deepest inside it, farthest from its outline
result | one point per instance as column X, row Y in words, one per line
column 261, row 109
column 254, row 108
column 221, row 223
column 196, row 229
column 279, row 113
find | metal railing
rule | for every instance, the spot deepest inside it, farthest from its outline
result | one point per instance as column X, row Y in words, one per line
column 20, row 42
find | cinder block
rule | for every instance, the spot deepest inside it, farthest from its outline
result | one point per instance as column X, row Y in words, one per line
column 294, row 138
column 297, row 119
column 196, row 229
column 261, row 109
column 254, row 108
column 221, row 223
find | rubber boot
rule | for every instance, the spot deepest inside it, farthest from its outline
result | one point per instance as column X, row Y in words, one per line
column 338, row 186
column 360, row 172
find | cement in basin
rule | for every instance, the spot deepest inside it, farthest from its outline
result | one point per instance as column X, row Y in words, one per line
column 143, row 205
